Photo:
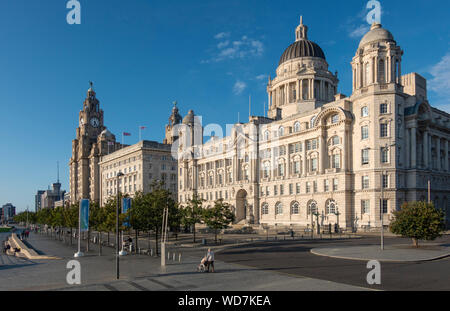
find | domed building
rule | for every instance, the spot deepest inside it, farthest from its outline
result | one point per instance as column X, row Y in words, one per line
column 321, row 158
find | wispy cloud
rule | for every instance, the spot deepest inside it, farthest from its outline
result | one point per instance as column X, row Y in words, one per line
column 222, row 35
column 261, row 77
column 440, row 83
column 359, row 31
column 229, row 48
column 239, row 87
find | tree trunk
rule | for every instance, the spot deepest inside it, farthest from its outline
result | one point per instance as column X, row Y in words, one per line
column 215, row 235
column 99, row 243
column 136, row 242
column 415, row 242
column 108, row 238
column 149, row 244
column 87, row 241
column 71, row 235
column 156, row 246
column 194, row 232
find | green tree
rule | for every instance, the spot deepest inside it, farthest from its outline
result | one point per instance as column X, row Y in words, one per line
column 418, row 221
column 71, row 216
column 110, row 208
column 219, row 217
column 192, row 214
column 97, row 217
column 58, row 220
column 158, row 199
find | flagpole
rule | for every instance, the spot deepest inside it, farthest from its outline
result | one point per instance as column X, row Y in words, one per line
column 140, row 133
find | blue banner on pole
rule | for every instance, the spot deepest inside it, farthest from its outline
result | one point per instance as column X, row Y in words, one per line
column 126, row 205
column 84, row 215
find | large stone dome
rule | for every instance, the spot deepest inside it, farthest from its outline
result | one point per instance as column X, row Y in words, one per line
column 302, row 47
column 376, row 34
column 189, row 118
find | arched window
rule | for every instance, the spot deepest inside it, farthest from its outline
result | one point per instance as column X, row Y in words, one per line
column 312, row 207
column 311, row 123
column 266, row 135
column 295, row 208
column 281, row 132
column 335, row 119
column 335, row 141
column 331, row 207
column 265, row 209
column 381, row 71
column 279, row 208
column 364, row 111
column 297, row 127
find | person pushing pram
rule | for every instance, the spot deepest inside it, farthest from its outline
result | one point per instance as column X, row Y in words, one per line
column 207, row 262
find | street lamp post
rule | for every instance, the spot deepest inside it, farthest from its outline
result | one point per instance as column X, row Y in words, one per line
column 120, row 174
column 337, row 218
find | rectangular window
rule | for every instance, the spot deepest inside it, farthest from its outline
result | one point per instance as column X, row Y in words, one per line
column 297, row 186
column 383, row 108
column 297, row 167
column 267, row 191
column 365, row 156
column 384, row 155
column 313, row 165
column 383, row 130
column 335, row 184
column 336, row 161
column 365, row 182
column 364, row 132
column 275, row 190
column 315, row 186
column 384, row 206
column 291, row 189
column 365, row 206
column 308, row 187
column 385, row 181
column 281, row 169
column 326, row 185
column 281, row 189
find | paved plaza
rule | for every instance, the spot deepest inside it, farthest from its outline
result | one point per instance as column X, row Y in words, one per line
column 141, row 272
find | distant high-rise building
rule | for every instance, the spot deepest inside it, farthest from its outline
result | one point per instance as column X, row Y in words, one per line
column 37, row 200
column 8, row 212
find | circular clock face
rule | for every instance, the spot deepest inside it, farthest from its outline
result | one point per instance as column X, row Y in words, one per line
column 81, row 121
column 95, row 122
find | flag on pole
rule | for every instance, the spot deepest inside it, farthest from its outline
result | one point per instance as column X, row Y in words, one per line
column 140, row 129
column 126, row 134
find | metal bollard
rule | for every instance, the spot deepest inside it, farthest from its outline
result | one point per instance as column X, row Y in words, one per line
column 179, row 258
column 168, row 255
column 173, row 256
column 151, row 252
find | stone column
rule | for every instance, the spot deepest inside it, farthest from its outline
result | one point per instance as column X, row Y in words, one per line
column 408, row 148
column 300, row 92
column 446, row 156
column 322, row 155
column 345, row 153
column 305, row 161
column 438, row 153
column 311, row 88
column 413, row 148
column 425, row 150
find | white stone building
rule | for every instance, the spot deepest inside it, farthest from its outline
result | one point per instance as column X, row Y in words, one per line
column 348, row 160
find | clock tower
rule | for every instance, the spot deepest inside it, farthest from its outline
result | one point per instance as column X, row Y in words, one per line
column 92, row 141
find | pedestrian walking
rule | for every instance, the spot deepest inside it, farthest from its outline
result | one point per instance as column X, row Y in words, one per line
column 210, row 260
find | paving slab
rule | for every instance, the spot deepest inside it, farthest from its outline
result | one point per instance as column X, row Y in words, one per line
column 391, row 253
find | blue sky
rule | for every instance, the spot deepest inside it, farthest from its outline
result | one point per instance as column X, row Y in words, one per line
column 142, row 55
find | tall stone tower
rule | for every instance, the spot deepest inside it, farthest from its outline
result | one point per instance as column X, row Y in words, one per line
column 92, row 141
column 174, row 119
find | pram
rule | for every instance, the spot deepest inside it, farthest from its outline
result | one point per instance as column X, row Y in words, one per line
column 203, row 265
